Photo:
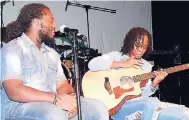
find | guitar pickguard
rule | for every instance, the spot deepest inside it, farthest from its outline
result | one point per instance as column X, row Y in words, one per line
column 126, row 82
column 126, row 85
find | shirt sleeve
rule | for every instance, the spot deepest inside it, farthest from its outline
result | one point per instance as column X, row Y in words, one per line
column 10, row 65
column 148, row 89
column 103, row 62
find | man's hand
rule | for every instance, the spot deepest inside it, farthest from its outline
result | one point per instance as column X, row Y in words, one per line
column 67, row 102
column 72, row 114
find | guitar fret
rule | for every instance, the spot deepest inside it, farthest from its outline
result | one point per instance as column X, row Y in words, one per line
column 135, row 79
column 143, row 76
column 146, row 76
column 176, row 69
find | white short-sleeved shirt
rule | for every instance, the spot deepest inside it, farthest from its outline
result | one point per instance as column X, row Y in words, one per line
column 37, row 68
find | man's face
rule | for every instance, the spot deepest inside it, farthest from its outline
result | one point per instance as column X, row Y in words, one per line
column 140, row 47
column 46, row 33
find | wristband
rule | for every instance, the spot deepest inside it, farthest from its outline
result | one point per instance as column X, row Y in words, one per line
column 55, row 100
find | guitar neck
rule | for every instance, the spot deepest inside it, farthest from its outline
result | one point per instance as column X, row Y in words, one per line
column 151, row 75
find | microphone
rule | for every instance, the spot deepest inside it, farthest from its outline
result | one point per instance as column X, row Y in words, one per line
column 67, row 3
column 65, row 29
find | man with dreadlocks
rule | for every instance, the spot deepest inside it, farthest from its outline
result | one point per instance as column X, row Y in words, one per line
column 136, row 46
column 34, row 86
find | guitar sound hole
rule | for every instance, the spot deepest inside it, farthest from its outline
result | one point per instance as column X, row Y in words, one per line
column 126, row 82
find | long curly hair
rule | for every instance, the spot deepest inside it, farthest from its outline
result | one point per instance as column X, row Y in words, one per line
column 134, row 35
column 23, row 22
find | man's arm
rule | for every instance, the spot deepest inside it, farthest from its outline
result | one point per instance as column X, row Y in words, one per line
column 63, row 87
column 16, row 91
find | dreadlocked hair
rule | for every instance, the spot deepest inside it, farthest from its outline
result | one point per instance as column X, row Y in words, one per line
column 24, row 20
column 136, row 34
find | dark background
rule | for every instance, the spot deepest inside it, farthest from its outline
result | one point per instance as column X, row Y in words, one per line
column 170, row 24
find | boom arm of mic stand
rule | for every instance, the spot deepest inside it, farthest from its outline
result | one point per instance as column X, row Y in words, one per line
column 4, row 2
column 93, row 7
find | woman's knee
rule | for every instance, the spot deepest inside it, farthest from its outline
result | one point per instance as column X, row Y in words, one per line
column 175, row 112
column 186, row 112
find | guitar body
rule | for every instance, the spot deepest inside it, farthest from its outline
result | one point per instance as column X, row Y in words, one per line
column 111, row 87
column 114, row 87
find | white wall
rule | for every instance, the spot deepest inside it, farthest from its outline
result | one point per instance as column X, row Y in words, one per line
column 107, row 30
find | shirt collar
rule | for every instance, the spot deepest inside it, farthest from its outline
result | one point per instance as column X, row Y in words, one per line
column 45, row 48
column 26, row 40
column 28, row 43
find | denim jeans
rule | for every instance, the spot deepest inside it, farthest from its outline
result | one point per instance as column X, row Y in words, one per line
column 90, row 110
column 145, row 109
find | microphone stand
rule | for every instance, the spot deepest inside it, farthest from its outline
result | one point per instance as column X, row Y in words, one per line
column 76, row 71
column 87, row 7
column 2, row 24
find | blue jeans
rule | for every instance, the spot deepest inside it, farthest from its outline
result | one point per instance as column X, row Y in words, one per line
column 90, row 109
column 144, row 108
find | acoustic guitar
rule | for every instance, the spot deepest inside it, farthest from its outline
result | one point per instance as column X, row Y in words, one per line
column 115, row 86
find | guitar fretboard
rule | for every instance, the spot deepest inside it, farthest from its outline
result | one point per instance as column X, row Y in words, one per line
column 170, row 70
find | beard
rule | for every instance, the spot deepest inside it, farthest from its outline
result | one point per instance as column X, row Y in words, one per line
column 44, row 38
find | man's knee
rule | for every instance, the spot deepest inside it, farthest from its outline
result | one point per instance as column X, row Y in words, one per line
column 42, row 111
column 98, row 106
column 54, row 114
